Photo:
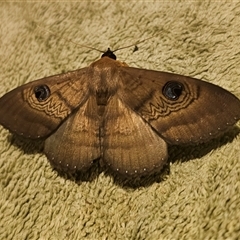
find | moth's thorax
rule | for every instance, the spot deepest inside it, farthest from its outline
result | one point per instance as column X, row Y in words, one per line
column 104, row 78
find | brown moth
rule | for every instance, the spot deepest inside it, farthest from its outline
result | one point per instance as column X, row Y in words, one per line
column 122, row 115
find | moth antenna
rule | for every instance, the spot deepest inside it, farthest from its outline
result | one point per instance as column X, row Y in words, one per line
column 134, row 44
column 69, row 40
column 93, row 48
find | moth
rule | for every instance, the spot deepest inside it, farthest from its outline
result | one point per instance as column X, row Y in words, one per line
column 123, row 115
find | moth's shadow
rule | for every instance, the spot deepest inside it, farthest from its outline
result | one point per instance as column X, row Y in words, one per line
column 28, row 146
column 176, row 153
column 190, row 152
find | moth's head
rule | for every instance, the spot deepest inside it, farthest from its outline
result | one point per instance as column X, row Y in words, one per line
column 109, row 54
